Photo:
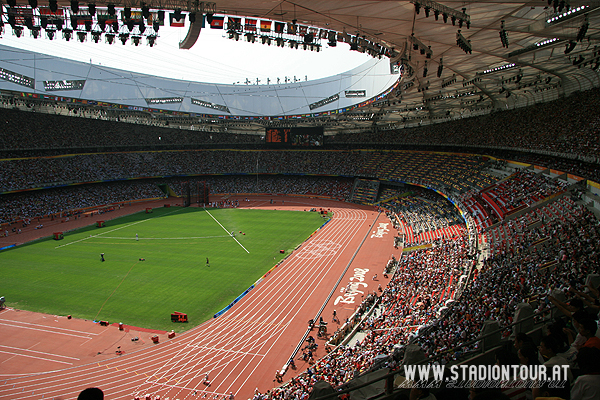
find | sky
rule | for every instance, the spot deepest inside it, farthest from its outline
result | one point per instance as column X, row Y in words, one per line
column 214, row 58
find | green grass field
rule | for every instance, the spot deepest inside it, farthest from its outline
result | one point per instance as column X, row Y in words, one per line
column 68, row 277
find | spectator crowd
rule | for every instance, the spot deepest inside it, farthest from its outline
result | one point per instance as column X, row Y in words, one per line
column 436, row 297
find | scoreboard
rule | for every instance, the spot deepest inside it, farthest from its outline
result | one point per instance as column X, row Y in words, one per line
column 278, row 135
column 294, row 137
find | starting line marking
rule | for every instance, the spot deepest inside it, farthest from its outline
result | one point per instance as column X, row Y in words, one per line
column 39, row 352
column 37, row 358
column 49, row 331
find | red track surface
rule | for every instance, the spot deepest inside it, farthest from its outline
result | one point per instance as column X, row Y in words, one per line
column 240, row 351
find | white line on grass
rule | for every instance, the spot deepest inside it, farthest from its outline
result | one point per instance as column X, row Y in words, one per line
column 233, row 237
column 165, row 238
column 112, row 230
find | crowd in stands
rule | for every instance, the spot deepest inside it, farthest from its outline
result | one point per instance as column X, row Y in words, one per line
column 521, row 189
column 517, row 275
column 36, row 130
column 418, row 293
column 365, row 191
column 562, row 134
column 32, row 204
column 553, row 247
column 568, row 125
column 479, row 209
column 18, row 174
column 337, row 188
column 424, row 281
column 422, row 211
column 452, row 172
column 46, row 172
column 444, row 171
column 580, row 168
column 29, row 205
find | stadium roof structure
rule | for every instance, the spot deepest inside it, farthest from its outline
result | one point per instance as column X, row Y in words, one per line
column 432, row 61
column 53, row 76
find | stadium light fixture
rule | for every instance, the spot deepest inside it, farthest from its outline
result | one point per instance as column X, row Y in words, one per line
column 503, row 35
column 145, row 11
column 583, row 30
column 17, row 31
column 178, row 15
column 151, row 40
column 463, row 43
column 563, row 16
column 67, row 34
column 546, row 42
column 570, row 46
column 332, row 39
column 81, row 36
column 35, row 32
column 123, row 37
column 500, row 68
column 447, row 12
column 418, row 45
column 109, row 38
column 534, row 46
column 234, row 35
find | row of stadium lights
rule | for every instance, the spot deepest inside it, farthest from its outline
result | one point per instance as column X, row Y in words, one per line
column 54, row 22
column 136, row 29
column 306, row 44
column 308, row 41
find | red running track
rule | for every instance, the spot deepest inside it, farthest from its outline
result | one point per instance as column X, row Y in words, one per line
column 242, row 349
